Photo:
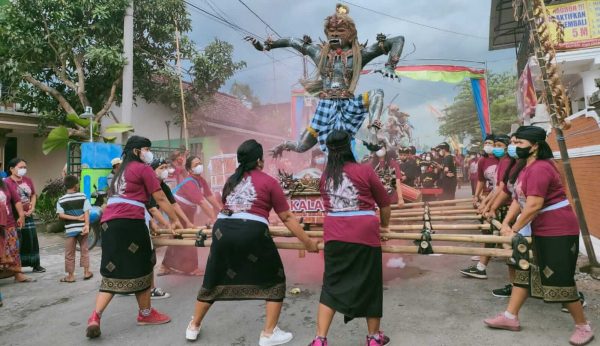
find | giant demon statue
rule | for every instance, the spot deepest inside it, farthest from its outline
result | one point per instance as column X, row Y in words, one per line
column 339, row 62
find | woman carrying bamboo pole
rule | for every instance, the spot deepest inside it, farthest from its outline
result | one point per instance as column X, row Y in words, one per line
column 352, row 282
column 488, row 171
column 244, row 263
column 542, row 200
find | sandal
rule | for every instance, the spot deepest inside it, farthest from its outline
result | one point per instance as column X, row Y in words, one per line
column 66, row 280
column 163, row 271
column 89, row 276
column 25, row 280
column 197, row 272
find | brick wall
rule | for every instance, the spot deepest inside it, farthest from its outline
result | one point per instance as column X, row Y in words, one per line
column 584, row 132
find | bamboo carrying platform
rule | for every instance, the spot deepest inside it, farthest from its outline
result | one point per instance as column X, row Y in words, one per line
column 426, row 212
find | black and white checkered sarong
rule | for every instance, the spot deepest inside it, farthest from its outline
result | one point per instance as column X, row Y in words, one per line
column 338, row 114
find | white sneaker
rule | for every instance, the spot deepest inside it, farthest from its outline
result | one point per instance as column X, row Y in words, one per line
column 191, row 333
column 475, row 258
column 279, row 337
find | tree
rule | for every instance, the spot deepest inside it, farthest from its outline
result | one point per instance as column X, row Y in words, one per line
column 244, row 93
column 60, row 56
column 461, row 117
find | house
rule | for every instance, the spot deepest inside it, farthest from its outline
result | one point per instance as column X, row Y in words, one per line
column 19, row 138
column 578, row 58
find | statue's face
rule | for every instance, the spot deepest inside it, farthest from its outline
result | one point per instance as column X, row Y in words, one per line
column 340, row 33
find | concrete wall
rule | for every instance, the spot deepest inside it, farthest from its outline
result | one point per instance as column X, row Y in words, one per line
column 149, row 120
column 40, row 167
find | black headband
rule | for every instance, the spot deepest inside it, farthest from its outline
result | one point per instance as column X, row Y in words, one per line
column 136, row 142
column 157, row 163
column 502, row 139
column 533, row 134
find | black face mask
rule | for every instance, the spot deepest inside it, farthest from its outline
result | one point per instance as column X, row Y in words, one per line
column 523, row 153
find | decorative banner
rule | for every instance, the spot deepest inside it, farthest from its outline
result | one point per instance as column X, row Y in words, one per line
column 301, row 112
column 439, row 73
column 481, row 103
column 453, row 74
column 581, row 22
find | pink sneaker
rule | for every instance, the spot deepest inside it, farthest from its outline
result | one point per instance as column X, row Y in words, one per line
column 93, row 326
column 503, row 322
column 381, row 341
column 582, row 335
column 155, row 317
column 318, row 341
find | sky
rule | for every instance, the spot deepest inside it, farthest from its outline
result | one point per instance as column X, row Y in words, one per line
column 273, row 75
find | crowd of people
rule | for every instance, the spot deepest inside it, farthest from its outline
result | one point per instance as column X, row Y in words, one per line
column 516, row 181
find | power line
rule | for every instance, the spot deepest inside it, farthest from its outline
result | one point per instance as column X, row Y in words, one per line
column 417, row 23
column 257, row 16
column 222, row 20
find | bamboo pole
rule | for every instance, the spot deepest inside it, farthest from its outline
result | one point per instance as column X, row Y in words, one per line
column 395, row 228
column 438, row 218
column 465, row 238
column 434, row 212
column 432, row 203
column 451, row 207
column 449, row 250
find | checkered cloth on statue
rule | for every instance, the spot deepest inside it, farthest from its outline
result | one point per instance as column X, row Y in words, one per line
column 338, row 114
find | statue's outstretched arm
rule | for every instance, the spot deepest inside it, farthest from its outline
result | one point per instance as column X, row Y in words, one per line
column 392, row 47
column 303, row 45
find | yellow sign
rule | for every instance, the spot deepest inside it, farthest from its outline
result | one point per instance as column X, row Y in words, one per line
column 581, row 21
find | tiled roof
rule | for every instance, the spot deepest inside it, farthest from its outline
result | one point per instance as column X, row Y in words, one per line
column 229, row 110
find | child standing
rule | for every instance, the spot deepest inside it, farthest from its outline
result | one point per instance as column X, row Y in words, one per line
column 74, row 209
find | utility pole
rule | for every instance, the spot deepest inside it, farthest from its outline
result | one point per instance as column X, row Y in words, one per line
column 183, row 114
column 127, row 103
column 555, row 96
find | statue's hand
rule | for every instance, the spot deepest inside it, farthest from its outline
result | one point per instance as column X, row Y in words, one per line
column 388, row 72
column 277, row 152
column 307, row 39
column 255, row 43
column 381, row 37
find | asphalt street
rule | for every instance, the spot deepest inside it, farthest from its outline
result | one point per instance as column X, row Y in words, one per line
column 426, row 302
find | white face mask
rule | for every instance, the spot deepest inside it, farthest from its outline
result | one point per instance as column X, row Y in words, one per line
column 21, row 172
column 163, row 175
column 380, row 152
column 147, row 156
column 171, row 170
column 198, row 169
column 488, row 148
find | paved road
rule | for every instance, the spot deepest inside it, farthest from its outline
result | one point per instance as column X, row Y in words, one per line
column 425, row 303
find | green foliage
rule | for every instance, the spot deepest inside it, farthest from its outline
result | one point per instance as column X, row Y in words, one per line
column 461, row 117
column 59, row 56
column 244, row 92
column 57, row 138
column 45, row 208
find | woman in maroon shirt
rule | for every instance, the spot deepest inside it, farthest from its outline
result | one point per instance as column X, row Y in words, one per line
column 244, row 263
column 541, row 200
column 353, row 279
column 127, row 254
column 192, row 192
column 28, row 239
column 10, row 260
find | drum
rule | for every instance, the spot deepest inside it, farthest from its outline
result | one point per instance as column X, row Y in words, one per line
column 410, row 194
